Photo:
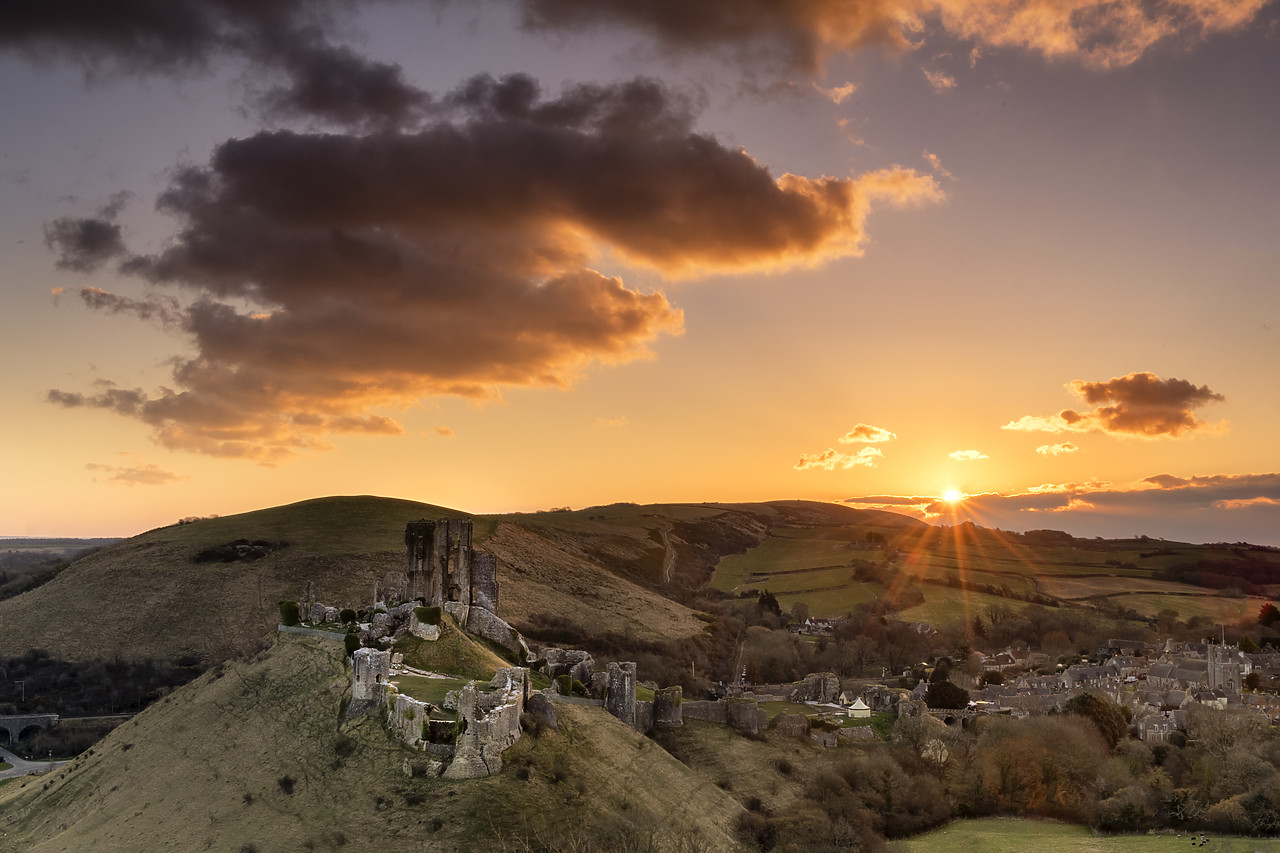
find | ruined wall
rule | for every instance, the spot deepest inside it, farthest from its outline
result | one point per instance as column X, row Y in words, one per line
column 666, row 707
column 491, row 723
column 620, row 697
column 484, row 581
column 704, row 709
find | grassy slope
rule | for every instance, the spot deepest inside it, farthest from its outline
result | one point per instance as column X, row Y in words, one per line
column 145, row 596
column 1013, row 835
column 201, row 770
column 814, row 565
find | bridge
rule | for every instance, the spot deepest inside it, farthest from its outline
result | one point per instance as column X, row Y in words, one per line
column 15, row 725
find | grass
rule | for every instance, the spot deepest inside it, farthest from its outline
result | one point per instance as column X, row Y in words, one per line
column 778, row 554
column 1014, row 835
column 455, row 653
column 431, row 690
column 4, row 765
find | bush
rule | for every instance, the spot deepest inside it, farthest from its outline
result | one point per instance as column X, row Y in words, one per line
column 352, row 642
column 427, row 615
column 289, row 614
column 286, row 784
column 347, row 616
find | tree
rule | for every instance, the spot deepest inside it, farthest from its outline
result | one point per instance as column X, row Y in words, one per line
column 993, row 676
column 944, row 694
column 1109, row 717
column 1268, row 614
column 767, row 602
column 1247, row 645
column 799, row 613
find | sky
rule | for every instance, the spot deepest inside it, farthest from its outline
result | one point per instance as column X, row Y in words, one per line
column 1012, row 262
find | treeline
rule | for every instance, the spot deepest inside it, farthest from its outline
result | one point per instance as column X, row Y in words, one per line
column 1248, row 571
column 35, row 683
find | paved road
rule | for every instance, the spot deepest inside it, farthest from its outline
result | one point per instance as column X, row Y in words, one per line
column 22, row 767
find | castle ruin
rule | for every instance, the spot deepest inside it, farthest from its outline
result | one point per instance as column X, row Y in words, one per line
column 442, row 566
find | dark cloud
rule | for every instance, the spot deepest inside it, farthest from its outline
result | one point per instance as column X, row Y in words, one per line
column 84, row 245
column 1137, row 404
column 328, row 275
column 1141, row 404
column 287, row 38
column 802, row 33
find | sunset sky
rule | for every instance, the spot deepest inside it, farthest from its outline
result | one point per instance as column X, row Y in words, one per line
column 522, row 254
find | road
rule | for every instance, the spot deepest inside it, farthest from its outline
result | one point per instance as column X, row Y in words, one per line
column 22, row 767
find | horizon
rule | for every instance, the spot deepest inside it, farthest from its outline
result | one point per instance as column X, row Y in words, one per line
column 528, row 254
column 943, row 524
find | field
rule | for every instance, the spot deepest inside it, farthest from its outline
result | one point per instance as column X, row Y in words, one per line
column 962, row 572
column 1010, row 835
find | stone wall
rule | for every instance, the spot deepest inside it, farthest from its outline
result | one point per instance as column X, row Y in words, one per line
column 666, row 707
column 620, row 697
column 489, row 723
column 704, row 709
column 745, row 715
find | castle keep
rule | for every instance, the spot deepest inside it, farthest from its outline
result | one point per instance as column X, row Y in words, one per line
column 442, row 567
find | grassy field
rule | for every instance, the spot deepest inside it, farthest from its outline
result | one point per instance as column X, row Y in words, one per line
column 1011, row 835
column 814, row 564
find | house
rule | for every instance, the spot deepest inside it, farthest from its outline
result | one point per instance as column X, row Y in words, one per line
column 1160, row 726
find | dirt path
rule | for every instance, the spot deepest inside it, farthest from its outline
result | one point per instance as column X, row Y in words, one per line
column 669, row 558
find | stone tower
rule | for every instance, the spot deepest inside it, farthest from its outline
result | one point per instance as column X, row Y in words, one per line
column 441, row 565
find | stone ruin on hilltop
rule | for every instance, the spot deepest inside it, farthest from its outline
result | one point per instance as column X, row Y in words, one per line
column 442, row 566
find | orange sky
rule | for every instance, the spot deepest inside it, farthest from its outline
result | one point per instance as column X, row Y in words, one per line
column 558, row 253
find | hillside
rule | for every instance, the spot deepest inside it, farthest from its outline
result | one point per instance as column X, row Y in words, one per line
column 252, row 757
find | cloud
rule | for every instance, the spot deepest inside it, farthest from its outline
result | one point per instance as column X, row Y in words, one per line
column 939, row 80
column 611, row 423
column 137, row 475
column 444, row 432
column 866, row 433
column 838, row 94
column 1137, row 404
column 1060, row 449
column 1098, row 33
column 936, row 165
column 968, row 455
column 831, row 459
column 326, row 277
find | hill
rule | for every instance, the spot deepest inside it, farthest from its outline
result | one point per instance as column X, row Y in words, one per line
column 210, row 587
column 253, row 757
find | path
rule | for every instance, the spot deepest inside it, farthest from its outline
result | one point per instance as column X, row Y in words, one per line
column 669, row 558
column 22, row 767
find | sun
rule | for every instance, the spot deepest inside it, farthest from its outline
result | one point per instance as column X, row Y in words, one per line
column 952, row 496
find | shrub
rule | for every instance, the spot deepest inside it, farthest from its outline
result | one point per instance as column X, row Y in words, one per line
column 289, row 614
column 564, row 685
column 427, row 615
column 352, row 642
column 286, row 783
column 347, row 616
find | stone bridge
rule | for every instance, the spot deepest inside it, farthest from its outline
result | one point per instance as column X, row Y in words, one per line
column 14, row 725
column 951, row 716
